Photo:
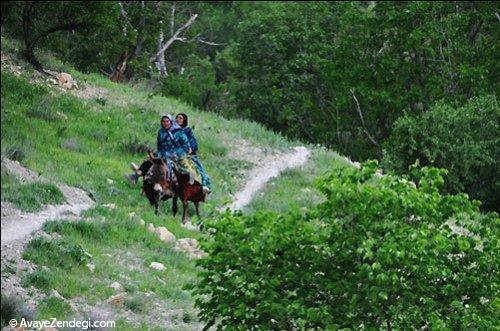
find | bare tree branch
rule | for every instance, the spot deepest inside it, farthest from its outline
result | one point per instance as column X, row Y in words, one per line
column 363, row 120
column 174, row 38
column 124, row 15
column 209, row 42
column 172, row 19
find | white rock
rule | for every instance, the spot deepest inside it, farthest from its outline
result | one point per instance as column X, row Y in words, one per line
column 91, row 267
column 142, row 222
column 116, row 286
column 56, row 294
column 190, row 247
column 110, row 181
column 190, row 226
column 157, row 266
column 151, row 228
column 164, row 234
column 109, row 206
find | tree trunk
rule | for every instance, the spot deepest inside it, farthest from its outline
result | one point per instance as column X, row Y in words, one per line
column 118, row 73
column 29, row 55
column 160, row 57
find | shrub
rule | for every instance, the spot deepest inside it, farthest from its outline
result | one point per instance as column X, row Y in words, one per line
column 463, row 140
column 39, row 279
column 378, row 253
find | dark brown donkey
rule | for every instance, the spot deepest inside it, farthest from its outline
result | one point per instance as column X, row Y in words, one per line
column 159, row 185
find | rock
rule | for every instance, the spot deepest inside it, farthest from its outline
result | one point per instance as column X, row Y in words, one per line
column 151, row 228
column 56, row 295
column 190, row 247
column 110, row 181
column 141, row 222
column 116, row 286
column 132, row 214
column 165, row 235
column 117, row 300
column 61, row 115
column 190, row 226
column 66, row 80
column 110, row 206
column 91, row 267
column 157, row 266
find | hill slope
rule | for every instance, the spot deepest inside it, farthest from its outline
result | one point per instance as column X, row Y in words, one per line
column 86, row 138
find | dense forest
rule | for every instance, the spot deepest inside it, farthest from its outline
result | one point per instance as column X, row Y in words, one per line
column 396, row 81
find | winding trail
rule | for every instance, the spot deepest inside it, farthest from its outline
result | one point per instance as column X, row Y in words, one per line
column 269, row 168
column 17, row 225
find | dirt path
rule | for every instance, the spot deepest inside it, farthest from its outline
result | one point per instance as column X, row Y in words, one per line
column 17, row 225
column 271, row 166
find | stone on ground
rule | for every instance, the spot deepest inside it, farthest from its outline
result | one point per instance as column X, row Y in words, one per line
column 157, row 266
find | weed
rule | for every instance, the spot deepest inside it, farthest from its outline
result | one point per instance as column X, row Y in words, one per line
column 40, row 279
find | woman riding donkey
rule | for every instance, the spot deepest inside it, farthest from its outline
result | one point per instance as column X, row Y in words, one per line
column 182, row 121
column 173, row 146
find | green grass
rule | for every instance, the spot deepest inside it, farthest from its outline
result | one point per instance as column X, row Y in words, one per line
column 29, row 197
column 86, row 141
column 51, row 307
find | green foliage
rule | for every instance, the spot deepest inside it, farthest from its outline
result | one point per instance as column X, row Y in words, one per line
column 463, row 140
column 30, row 197
column 196, row 85
column 293, row 65
column 40, row 279
column 380, row 252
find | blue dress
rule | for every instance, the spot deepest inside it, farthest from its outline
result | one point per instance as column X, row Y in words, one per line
column 194, row 148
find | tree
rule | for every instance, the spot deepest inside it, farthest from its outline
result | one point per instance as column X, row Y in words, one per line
column 380, row 253
column 42, row 19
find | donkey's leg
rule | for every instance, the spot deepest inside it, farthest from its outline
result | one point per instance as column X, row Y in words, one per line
column 174, row 205
column 197, row 205
column 185, row 205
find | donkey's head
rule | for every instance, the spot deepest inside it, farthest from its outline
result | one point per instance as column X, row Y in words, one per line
column 157, row 176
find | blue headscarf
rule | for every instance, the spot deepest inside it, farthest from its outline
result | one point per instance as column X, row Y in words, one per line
column 173, row 124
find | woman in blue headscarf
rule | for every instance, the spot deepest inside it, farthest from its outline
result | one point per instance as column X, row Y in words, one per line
column 182, row 121
column 172, row 145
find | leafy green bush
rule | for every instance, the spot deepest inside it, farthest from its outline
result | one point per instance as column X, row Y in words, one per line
column 380, row 252
column 463, row 140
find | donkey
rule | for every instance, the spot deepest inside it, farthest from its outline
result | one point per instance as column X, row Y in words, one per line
column 157, row 183
column 187, row 192
column 161, row 184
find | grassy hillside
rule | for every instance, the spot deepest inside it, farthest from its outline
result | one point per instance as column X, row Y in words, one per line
column 87, row 138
